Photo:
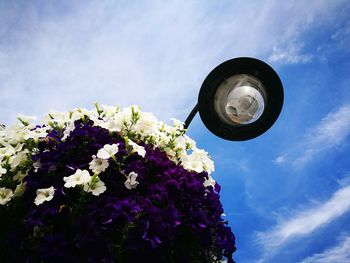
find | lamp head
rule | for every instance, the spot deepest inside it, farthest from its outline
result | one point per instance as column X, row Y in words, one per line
column 240, row 99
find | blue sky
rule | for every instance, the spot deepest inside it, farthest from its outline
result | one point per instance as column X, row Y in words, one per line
column 286, row 194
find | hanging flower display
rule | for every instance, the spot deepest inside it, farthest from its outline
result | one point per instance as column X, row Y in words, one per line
column 108, row 185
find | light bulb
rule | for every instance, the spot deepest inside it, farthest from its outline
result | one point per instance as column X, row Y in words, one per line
column 240, row 100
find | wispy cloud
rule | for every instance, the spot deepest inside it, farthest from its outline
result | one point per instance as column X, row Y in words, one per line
column 338, row 44
column 290, row 54
column 328, row 134
column 288, row 49
column 304, row 222
column 342, row 36
column 337, row 254
column 280, row 159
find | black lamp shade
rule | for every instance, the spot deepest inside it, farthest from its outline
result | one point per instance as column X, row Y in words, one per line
column 240, row 99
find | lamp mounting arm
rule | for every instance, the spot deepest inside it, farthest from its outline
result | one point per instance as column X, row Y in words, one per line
column 191, row 116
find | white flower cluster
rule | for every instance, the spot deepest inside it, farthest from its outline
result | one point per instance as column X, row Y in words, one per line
column 138, row 125
column 19, row 142
column 100, row 162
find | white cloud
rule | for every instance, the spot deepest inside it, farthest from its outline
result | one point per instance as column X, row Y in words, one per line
column 343, row 33
column 290, row 54
column 280, row 159
column 288, row 48
column 155, row 53
column 304, row 222
column 338, row 44
column 337, row 254
column 342, row 38
column 327, row 135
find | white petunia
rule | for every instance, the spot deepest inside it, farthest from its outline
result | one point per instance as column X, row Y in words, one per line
column 98, row 165
column 19, row 176
column 147, row 124
column 36, row 134
column 2, row 171
column 177, row 123
column 78, row 178
column 19, row 147
column 131, row 182
column 37, row 165
column 25, row 119
column 199, row 155
column 209, row 182
column 69, row 128
column 208, row 165
column 5, row 195
column 193, row 166
column 7, row 151
column 18, row 158
column 58, row 118
column 163, row 140
column 108, row 151
column 96, row 188
column 198, row 161
column 180, row 142
column 190, row 144
column 15, row 134
column 111, row 124
column 202, row 156
column 81, row 113
column 170, row 152
column 137, row 148
column 109, row 110
column 44, row 194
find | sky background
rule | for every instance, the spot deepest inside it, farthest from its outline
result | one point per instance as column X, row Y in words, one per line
column 286, row 194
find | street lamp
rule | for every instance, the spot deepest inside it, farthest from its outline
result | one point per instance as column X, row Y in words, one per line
column 240, row 99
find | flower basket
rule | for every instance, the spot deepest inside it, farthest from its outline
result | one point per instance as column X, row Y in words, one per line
column 108, row 185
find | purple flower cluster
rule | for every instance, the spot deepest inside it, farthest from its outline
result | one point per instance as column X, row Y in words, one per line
column 169, row 217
